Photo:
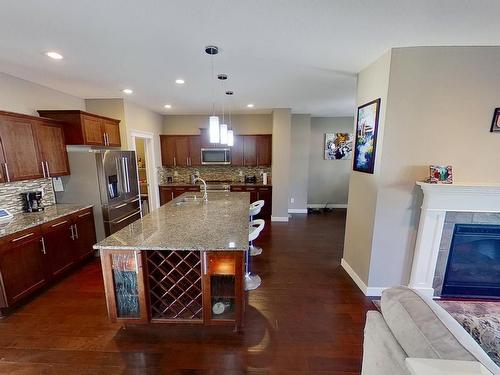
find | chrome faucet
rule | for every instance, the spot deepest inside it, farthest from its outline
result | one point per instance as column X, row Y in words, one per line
column 205, row 196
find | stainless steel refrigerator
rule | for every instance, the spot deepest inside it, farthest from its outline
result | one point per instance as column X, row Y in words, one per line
column 107, row 179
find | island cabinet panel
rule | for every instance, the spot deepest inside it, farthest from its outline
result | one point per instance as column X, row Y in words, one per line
column 125, row 286
column 21, row 266
column 223, row 287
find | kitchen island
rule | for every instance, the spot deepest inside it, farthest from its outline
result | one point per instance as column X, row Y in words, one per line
column 183, row 262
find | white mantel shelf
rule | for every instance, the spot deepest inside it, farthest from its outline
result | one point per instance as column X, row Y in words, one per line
column 439, row 199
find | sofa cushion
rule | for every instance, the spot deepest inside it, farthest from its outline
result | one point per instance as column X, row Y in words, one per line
column 424, row 329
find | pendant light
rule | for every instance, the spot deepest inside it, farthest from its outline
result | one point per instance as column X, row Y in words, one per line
column 214, row 130
column 223, row 126
column 230, row 134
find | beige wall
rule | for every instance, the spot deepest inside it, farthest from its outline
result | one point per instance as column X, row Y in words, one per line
column 373, row 83
column 242, row 124
column 328, row 180
column 299, row 151
column 18, row 95
column 440, row 107
column 281, row 162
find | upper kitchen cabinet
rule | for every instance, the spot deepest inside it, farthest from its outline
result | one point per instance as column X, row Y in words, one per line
column 52, row 147
column 264, row 150
column 20, row 158
column 83, row 128
column 237, row 154
column 256, row 150
column 249, row 150
column 180, row 150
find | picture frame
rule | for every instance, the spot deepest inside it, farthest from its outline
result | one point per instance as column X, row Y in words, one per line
column 365, row 145
column 338, row 146
column 495, row 123
column 441, row 174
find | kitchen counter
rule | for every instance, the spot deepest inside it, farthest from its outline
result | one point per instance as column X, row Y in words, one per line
column 220, row 224
column 26, row 220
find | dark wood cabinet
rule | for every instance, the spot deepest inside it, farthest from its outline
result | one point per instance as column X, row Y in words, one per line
column 167, row 143
column 264, row 150
column 258, row 192
column 21, row 266
column 84, row 234
column 32, row 258
column 182, row 151
column 52, row 147
column 84, row 128
column 194, row 150
column 21, row 157
column 58, row 237
column 237, row 152
column 167, row 193
column 249, row 150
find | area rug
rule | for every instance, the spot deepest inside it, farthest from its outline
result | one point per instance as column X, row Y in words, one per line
column 481, row 320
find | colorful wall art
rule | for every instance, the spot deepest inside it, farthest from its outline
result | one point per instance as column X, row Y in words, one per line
column 366, row 137
column 338, row 146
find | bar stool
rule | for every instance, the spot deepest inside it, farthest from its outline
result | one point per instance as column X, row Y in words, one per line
column 254, row 210
column 252, row 281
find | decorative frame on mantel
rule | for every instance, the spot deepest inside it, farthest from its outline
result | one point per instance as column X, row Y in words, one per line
column 439, row 199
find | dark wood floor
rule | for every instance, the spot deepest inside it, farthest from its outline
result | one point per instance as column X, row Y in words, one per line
column 306, row 318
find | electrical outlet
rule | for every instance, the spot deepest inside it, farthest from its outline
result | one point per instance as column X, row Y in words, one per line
column 41, row 191
column 292, row 200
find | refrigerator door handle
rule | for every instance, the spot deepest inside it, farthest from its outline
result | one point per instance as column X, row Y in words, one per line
column 127, row 171
column 124, row 175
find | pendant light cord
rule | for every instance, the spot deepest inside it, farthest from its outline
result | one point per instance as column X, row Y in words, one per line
column 213, row 85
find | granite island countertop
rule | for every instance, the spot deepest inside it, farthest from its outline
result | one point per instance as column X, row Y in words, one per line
column 219, row 224
column 26, row 220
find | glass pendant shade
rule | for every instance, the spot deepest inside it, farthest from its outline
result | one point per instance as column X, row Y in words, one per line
column 214, row 129
column 223, row 134
column 230, row 138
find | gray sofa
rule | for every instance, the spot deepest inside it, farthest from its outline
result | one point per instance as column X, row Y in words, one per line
column 412, row 325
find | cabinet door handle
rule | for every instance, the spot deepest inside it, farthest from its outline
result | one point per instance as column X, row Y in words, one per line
column 85, row 214
column 43, row 246
column 57, row 224
column 76, row 231
column 47, row 167
column 7, row 172
column 136, row 263
column 104, row 136
column 175, row 162
column 22, row 237
column 72, row 235
column 43, row 170
column 205, row 263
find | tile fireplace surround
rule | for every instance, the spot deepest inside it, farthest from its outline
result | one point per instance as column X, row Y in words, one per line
column 440, row 200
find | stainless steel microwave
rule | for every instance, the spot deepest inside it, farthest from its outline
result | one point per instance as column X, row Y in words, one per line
column 215, row 156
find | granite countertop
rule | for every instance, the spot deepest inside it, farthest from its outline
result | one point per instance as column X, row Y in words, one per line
column 26, row 220
column 220, row 224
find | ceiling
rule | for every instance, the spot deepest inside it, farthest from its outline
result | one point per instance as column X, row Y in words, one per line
column 297, row 54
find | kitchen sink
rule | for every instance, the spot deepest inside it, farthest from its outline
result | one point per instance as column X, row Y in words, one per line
column 189, row 200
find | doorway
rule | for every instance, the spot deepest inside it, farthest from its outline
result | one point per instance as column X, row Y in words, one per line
column 143, row 145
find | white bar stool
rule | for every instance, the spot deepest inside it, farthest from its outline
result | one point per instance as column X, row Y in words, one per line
column 252, row 281
column 254, row 210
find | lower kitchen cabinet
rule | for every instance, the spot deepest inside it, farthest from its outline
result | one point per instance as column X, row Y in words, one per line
column 32, row 258
column 258, row 192
column 167, row 193
column 22, row 266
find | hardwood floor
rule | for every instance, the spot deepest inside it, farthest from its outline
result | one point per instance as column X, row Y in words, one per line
column 306, row 318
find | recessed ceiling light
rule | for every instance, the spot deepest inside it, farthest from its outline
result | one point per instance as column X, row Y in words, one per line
column 54, row 55
column 179, row 81
column 127, row 91
column 250, row 105
column 168, row 106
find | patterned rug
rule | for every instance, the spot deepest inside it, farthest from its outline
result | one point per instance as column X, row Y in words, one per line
column 481, row 320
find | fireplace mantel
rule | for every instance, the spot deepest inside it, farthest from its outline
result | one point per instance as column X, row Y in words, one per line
column 439, row 199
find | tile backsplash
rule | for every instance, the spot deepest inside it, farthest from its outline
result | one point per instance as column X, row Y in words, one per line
column 10, row 193
column 212, row 173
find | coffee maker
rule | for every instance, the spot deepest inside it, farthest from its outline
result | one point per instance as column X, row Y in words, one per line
column 32, row 201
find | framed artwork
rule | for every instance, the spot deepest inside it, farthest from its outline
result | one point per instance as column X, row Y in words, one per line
column 338, row 146
column 495, row 123
column 366, row 137
column 441, row 174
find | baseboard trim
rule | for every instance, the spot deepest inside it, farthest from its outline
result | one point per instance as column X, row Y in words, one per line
column 297, row 210
column 329, row 205
column 279, row 218
column 367, row 291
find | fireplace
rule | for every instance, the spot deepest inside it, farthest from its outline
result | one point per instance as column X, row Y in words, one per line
column 473, row 266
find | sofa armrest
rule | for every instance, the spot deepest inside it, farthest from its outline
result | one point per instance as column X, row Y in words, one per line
column 381, row 352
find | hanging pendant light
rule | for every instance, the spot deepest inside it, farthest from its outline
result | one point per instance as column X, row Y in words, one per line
column 214, row 129
column 223, row 126
column 230, row 134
